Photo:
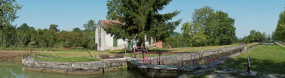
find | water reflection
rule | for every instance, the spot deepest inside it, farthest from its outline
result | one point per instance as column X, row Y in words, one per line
column 14, row 70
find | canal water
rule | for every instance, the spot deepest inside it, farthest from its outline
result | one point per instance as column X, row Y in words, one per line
column 15, row 70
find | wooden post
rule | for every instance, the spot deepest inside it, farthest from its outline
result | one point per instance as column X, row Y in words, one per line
column 159, row 59
column 31, row 51
column 248, row 65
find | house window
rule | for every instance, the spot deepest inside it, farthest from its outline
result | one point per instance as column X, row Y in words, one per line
column 115, row 42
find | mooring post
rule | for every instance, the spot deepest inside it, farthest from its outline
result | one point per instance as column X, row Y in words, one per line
column 248, row 65
column 103, row 68
column 159, row 59
column 214, row 58
column 31, row 51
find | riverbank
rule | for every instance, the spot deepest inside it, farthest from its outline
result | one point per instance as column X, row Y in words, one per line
column 92, row 67
column 11, row 56
column 10, row 69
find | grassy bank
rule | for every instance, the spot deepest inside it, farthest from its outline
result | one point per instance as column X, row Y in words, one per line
column 267, row 59
column 50, row 57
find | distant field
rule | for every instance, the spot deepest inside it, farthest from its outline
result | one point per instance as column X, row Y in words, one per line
column 268, row 59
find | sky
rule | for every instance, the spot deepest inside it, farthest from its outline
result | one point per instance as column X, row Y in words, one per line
column 260, row 15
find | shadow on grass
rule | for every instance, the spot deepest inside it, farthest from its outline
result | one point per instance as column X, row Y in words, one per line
column 260, row 66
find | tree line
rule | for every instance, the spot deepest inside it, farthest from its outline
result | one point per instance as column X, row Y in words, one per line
column 256, row 36
column 207, row 28
column 25, row 35
column 279, row 33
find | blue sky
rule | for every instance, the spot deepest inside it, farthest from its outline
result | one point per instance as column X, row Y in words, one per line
column 260, row 15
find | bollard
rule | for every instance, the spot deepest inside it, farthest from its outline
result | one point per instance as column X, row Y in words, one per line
column 103, row 70
column 248, row 65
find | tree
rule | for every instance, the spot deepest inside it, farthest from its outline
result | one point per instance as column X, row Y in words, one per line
column 53, row 27
column 90, row 25
column 8, row 10
column 268, row 38
column 23, row 36
column 187, row 32
column 225, row 28
column 76, row 30
column 205, row 17
column 217, row 27
column 139, row 19
column 280, row 29
column 199, row 39
column 51, row 35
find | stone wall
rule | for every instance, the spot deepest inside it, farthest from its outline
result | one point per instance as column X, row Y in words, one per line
column 194, row 58
column 94, row 66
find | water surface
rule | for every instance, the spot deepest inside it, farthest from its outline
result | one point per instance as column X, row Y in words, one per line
column 15, row 70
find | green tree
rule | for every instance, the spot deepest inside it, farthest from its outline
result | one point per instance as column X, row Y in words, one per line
column 217, row 28
column 7, row 36
column 263, row 37
column 199, row 39
column 225, row 29
column 187, row 32
column 205, row 17
column 90, row 25
column 76, row 29
column 139, row 19
column 23, row 36
column 280, row 29
column 53, row 27
column 40, row 39
column 51, row 36
column 269, row 38
column 8, row 10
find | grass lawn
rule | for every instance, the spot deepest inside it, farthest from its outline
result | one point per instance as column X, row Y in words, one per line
column 267, row 59
column 50, row 57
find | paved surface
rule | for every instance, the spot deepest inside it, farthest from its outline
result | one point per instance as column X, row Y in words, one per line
column 216, row 74
column 164, row 67
column 279, row 44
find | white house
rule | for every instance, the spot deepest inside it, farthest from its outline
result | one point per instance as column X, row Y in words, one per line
column 107, row 42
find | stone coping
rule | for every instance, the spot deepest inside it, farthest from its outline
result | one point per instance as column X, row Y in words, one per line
column 73, row 67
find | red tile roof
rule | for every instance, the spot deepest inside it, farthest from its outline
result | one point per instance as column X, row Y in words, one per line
column 106, row 22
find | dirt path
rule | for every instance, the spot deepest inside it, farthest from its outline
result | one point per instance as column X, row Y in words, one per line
column 11, row 55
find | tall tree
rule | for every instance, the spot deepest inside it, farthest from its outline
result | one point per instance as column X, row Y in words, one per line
column 90, row 36
column 225, row 29
column 90, row 26
column 8, row 10
column 205, row 17
column 280, row 29
column 23, row 36
column 139, row 19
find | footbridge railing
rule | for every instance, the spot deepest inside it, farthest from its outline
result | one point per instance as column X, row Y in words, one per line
column 149, row 58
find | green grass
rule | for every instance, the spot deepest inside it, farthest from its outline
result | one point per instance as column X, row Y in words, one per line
column 268, row 59
column 63, row 59
column 199, row 76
